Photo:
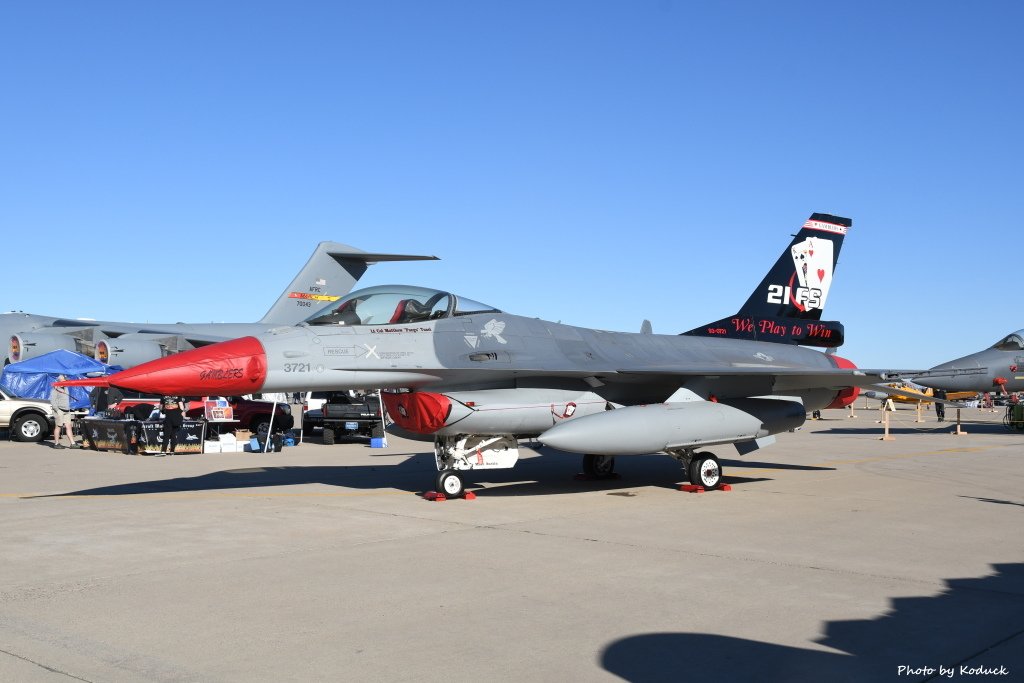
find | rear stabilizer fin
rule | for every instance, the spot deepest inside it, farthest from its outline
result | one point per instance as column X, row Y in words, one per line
column 330, row 274
column 786, row 306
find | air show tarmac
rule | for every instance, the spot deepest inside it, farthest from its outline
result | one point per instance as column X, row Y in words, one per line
column 835, row 556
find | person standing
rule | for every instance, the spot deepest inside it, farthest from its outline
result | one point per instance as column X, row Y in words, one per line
column 940, row 408
column 173, row 409
column 104, row 398
column 60, row 401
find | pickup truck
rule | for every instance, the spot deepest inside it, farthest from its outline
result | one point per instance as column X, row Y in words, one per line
column 343, row 414
column 29, row 419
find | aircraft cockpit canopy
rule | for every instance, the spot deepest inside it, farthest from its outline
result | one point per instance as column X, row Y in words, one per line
column 1013, row 342
column 394, row 304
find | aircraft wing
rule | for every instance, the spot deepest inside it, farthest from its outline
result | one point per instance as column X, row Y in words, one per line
column 783, row 378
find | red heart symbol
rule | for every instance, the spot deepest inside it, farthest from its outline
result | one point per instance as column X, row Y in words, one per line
column 810, row 252
column 821, row 274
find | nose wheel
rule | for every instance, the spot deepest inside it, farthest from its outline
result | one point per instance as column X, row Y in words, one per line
column 705, row 470
column 450, row 483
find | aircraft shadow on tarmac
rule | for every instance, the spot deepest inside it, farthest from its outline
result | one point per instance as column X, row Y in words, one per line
column 922, row 428
column 552, row 474
column 996, row 501
column 958, row 626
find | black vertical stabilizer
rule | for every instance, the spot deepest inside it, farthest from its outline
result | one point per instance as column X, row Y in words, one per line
column 787, row 306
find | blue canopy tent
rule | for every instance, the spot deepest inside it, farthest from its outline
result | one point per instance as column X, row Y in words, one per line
column 34, row 378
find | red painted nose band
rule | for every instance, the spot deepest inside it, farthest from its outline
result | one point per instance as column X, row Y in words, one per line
column 230, row 368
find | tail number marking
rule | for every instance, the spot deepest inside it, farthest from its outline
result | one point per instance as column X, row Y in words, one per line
column 782, row 294
column 296, row 367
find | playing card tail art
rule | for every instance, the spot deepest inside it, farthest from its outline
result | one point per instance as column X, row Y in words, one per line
column 787, row 306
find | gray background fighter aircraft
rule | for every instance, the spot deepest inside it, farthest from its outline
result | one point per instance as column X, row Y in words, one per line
column 477, row 379
column 998, row 368
column 329, row 274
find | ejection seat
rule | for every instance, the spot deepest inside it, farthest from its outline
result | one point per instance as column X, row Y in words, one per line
column 410, row 311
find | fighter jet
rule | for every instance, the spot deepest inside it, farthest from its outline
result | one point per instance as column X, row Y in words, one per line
column 476, row 379
column 329, row 274
column 999, row 368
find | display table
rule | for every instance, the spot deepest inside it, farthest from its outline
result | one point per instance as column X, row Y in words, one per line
column 134, row 436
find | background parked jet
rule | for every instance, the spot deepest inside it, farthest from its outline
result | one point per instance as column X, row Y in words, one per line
column 329, row 274
column 478, row 378
column 999, row 368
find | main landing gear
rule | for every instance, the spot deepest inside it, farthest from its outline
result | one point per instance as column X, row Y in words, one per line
column 703, row 469
column 598, row 466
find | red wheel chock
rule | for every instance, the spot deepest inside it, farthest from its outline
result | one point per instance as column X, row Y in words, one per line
column 438, row 496
column 693, row 488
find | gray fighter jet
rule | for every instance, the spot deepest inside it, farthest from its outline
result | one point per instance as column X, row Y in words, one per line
column 476, row 379
column 999, row 368
column 329, row 274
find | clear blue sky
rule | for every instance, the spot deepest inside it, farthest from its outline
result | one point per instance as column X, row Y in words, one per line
column 596, row 163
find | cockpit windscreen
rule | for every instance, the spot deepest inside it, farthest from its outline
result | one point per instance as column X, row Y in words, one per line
column 395, row 304
column 1013, row 342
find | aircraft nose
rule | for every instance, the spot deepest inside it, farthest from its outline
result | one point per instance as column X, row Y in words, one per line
column 230, row 368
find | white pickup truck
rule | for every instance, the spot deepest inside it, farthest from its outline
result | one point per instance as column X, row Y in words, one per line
column 28, row 419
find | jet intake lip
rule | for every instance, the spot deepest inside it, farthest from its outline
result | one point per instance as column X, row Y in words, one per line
column 422, row 412
column 846, row 396
column 230, row 368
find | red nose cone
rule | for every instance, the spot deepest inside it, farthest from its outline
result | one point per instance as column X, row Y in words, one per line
column 230, row 368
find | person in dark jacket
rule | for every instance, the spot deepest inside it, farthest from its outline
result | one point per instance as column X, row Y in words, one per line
column 103, row 398
column 173, row 408
column 940, row 408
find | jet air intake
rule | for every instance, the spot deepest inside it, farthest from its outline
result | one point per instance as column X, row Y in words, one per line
column 521, row 412
column 636, row 430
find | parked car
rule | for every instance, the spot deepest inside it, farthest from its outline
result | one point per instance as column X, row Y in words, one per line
column 253, row 415
column 28, row 419
column 343, row 413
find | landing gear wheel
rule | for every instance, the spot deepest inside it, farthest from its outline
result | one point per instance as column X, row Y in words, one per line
column 450, row 483
column 706, row 471
column 600, row 466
